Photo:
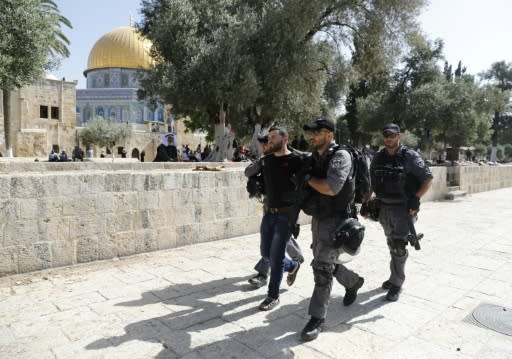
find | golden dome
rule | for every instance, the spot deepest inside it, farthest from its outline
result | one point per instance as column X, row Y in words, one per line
column 123, row 48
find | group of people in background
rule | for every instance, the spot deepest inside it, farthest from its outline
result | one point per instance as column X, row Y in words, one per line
column 167, row 150
column 55, row 156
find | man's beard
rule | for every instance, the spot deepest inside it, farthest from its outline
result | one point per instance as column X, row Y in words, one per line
column 278, row 146
column 392, row 146
column 318, row 145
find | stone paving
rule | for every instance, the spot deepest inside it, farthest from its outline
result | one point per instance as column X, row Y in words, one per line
column 194, row 301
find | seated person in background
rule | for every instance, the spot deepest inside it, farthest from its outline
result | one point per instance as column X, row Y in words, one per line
column 63, row 156
column 198, row 155
column 167, row 150
column 77, row 154
column 239, row 154
column 53, row 156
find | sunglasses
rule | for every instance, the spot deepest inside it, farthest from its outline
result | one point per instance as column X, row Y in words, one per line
column 390, row 135
column 318, row 132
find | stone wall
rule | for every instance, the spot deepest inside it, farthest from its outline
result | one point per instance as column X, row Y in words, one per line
column 472, row 179
column 439, row 187
column 56, row 214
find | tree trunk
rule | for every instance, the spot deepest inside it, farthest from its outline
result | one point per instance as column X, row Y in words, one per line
column 7, row 122
column 223, row 140
column 495, row 126
column 254, row 146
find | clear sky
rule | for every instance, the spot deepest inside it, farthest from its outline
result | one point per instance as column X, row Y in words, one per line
column 474, row 31
column 91, row 19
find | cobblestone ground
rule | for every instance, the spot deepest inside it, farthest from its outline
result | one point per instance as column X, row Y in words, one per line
column 194, row 301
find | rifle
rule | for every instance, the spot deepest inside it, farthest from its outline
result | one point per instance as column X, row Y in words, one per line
column 413, row 238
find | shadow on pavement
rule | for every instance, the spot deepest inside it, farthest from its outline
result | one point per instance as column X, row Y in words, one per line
column 215, row 327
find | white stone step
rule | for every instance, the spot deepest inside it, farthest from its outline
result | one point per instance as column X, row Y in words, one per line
column 451, row 195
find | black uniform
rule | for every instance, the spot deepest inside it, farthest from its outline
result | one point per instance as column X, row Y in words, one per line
column 395, row 179
column 335, row 166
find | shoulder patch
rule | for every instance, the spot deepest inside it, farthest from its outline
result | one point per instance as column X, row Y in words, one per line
column 418, row 161
column 336, row 162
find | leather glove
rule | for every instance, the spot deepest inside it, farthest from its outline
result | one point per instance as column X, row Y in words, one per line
column 413, row 203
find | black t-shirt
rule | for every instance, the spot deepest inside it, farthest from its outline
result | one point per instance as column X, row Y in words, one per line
column 277, row 173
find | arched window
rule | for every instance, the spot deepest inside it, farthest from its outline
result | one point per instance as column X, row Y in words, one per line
column 87, row 114
column 124, row 80
column 100, row 112
column 160, row 115
column 150, row 116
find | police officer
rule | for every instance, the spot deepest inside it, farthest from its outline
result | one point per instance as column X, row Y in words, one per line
column 399, row 178
column 293, row 249
column 332, row 199
column 278, row 169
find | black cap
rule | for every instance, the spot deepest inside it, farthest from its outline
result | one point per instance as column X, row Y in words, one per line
column 263, row 138
column 321, row 122
column 391, row 127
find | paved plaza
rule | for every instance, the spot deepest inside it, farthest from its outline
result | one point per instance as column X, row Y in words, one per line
column 195, row 302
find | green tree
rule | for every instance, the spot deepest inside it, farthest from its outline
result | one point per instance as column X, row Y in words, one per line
column 104, row 133
column 31, row 42
column 408, row 95
column 255, row 62
column 500, row 76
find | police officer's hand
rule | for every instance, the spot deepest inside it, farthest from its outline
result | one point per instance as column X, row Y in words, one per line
column 365, row 210
column 413, row 205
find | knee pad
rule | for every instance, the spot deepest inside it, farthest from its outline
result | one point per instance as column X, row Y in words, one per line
column 323, row 273
column 397, row 248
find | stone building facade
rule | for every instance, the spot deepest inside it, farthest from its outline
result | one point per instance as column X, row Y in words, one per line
column 42, row 117
column 50, row 113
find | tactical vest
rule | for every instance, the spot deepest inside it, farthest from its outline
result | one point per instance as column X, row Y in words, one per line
column 321, row 205
column 390, row 180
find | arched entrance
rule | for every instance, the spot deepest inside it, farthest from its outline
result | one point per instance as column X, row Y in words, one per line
column 135, row 153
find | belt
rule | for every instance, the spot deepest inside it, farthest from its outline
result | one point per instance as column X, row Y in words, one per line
column 278, row 210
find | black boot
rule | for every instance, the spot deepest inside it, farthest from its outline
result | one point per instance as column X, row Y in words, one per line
column 312, row 329
column 393, row 293
column 351, row 293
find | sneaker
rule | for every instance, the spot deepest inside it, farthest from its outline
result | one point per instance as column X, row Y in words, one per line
column 268, row 303
column 258, row 281
column 312, row 329
column 393, row 293
column 351, row 293
column 386, row 285
column 290, row 279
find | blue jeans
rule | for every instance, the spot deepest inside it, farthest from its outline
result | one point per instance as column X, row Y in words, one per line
column 274, row 235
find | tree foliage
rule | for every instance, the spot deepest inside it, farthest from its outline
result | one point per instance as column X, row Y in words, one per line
column 104, row 133
column 435, row 105
column 500, row 77
column 264, row 60
column 31, row 42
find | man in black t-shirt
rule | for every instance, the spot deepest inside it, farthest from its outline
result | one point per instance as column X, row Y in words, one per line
column 278, row 169
column 293, row 249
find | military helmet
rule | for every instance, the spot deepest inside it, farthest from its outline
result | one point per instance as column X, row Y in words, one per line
column 348, row 235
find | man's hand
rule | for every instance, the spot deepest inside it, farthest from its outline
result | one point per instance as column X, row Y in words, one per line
column 365, row 210
column 413, row 205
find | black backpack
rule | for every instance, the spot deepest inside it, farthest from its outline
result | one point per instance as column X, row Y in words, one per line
column 361, row 171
